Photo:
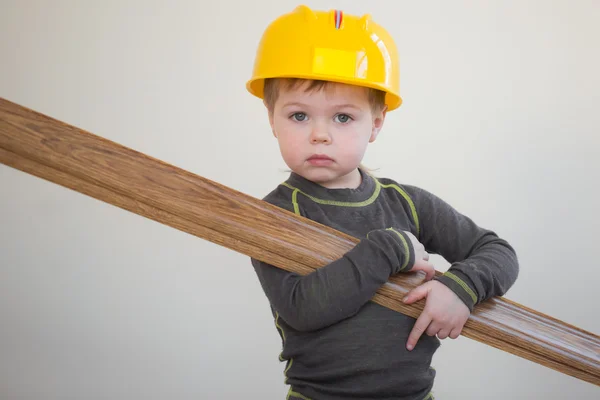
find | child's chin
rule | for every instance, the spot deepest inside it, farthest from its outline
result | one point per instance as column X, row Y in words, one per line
column 321, row 175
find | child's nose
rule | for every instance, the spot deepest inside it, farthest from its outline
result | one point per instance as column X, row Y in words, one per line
column 320, row 135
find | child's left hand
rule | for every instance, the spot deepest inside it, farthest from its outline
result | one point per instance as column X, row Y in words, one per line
column 444, row 313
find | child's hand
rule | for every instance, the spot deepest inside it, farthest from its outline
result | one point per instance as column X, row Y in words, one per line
column 444, row 314
column 421, row 258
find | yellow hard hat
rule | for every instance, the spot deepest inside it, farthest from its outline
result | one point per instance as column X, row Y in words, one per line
column 331, row 46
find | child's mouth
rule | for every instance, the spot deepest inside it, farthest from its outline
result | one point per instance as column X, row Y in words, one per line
column 320, row 160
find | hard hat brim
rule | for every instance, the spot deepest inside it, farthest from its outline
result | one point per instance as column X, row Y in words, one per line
column 255, row 86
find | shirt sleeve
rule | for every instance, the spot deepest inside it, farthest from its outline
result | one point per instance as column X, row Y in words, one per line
column 483, row 265
column 338, row 290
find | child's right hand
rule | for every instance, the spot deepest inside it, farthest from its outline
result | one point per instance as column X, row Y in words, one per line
column 421, row 258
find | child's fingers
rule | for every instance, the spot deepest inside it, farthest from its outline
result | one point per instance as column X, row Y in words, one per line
column 420, row 327
column 426, row 267
column 455, row 333
column 434, row 328
column 430, row 271
column 443, row 333
column 418, row 293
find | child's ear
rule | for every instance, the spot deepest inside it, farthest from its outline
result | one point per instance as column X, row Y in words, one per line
column 378, row 120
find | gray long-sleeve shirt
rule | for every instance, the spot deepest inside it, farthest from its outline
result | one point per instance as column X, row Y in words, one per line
column 336, row 343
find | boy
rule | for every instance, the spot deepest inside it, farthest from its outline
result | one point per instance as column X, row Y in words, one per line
column 328, row 79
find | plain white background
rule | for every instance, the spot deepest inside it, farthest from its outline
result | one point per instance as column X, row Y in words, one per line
column 500, row 118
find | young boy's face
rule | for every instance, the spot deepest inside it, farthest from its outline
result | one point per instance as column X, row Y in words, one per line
column 323, row 134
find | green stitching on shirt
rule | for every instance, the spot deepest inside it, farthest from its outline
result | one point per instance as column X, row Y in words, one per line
column 291, row 360
column 413, row 209
column 279, row 327
column 370, row 200
column 364, row 203
column 462, row 284
column 406, row 248
column 429, row 396
column 295, row 201
column 296, row 395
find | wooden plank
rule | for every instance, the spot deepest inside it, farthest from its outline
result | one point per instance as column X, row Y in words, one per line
column 94, row 166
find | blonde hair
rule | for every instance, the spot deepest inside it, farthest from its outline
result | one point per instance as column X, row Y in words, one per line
column 273, row 85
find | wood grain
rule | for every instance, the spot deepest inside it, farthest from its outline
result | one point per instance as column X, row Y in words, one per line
column 99, row 168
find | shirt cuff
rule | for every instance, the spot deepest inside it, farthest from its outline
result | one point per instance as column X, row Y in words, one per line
column 461, row 285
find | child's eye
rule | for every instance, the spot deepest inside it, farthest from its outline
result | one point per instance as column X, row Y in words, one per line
column 343, row 118
column 299, row 116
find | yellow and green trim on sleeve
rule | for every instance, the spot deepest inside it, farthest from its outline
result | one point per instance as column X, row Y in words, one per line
column 403, row 248
column 457, row 282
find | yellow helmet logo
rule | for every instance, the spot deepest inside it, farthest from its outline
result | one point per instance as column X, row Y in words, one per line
column 331, row 46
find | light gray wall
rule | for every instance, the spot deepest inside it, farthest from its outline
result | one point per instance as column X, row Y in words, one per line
column 500, row 119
